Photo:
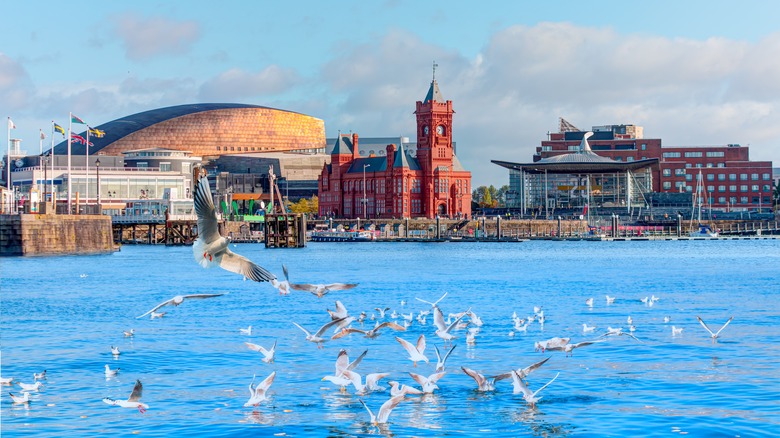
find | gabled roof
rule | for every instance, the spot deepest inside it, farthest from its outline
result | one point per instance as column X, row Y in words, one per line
column 341, row 147
column 373, row 164
column 403, row 160
column 433, row 93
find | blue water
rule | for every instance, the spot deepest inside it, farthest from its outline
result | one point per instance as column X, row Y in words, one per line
column 63, row 314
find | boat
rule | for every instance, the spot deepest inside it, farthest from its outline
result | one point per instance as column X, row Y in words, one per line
column 703, row 230
column 342, row 236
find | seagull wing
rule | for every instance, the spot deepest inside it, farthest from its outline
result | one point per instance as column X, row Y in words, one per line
column 340, row 286
column 342, row 362
column 286, row 274
column 454, row 323
column 341, row 311
column 347, row 331
column 164, row 303
column 407, row 345
column 545, row 386
column 372, row 378
column 724, row 326
column 304, row 287
column 373, row 418
column 438, row 356
column 138, row 389
column 422, row 380
column 202, row 296
column 208, row 229
column 265, row 384
column 327, row 326
column 357, row 361
column 304, row 330
column 239, row 264
column 438, row 319
column 421, row 344
column 705, row 326
column 519, row 385
column 255, row 347
column 387, row 408
column 392, row 325
column 447, row 355
column 433, row 378
column 479, row 378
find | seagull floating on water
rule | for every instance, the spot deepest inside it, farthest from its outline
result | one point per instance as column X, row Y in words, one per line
column 210, row 248
column 268, row 355
column 110, row 372
column 384, row 411
column 39, row 376
column 115, row 351
column 676, row 331
column 428, row 383
column 396, row 389
column 589, row 302
column 28, row 387
column 134, row 401
column 610, row 299
column 714, row 335
column 129, row 333
column 19, row 400
column 246, row 331
column 6, row 380
column 588, row 328
column 177, row 300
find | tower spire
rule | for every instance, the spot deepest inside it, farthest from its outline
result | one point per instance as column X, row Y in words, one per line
column 434, row 70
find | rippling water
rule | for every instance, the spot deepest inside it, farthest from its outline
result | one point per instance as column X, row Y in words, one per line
column 63, row 314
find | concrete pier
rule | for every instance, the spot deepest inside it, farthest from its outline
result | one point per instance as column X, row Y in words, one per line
column 43, row 234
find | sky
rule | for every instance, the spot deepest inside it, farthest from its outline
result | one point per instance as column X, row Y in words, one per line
column 692, row 73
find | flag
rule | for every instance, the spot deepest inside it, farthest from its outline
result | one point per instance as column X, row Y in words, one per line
column 58, row 128
column 43, row 136
column 96, row 132
column 11, row 124
column 77, row 138
column 76, row 119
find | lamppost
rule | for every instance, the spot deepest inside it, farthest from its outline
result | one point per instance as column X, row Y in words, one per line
column 364, row 190
column 97, row 170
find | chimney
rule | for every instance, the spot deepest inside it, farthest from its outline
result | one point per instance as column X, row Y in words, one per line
column 355, row 149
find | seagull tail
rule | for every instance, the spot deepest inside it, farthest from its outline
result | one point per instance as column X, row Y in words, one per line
column 198, row 248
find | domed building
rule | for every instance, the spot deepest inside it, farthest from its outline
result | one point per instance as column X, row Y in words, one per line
column 206, row 130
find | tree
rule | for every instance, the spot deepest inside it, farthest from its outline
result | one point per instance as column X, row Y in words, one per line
column 776, row 194
column 309, row 206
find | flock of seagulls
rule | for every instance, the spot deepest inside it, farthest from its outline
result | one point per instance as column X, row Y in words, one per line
column 211, row 249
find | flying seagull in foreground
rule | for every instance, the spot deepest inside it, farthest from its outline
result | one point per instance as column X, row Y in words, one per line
column 178, row 299
column 528, row 396
column 714, row 334
column 441, row 361
column 521, row 372
column 385, row 410
column 257, row 393
column 433, row 304
column 268, row 355
column 317, row 336
column 282, row 286
column 416, row 352
column 210, row 248
column 134, row 401
column 320, row 290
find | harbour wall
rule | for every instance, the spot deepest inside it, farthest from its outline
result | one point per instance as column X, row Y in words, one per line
column 49, row 234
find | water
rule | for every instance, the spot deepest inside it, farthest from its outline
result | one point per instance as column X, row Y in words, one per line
column 63, row 314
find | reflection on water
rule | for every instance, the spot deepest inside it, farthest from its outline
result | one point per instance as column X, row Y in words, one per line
column 195, row 367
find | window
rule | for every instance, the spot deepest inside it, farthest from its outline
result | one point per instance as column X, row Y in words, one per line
column 629, row 158
column 721, row 177
column 743, row 188
column 689, row 177
column 688, row 189
column 710, row 188
column 721, row 164
column 754, row 176
column 679, row 184
column 732, row 200
column 679, row 172
column 667, row 185
column 733, row 188
column 574, row 148
column 698, row 164
column 754, row 188
column 721, row 188
column 732, row 177
column 766, row 188
column 142, row 164
column 185, row 168
column 710, row 177
column 217, row 147
column 709, row 165
column 743, row 200
column 715, row 154
column 546, row 148
column 671, row 155
column 693, row 155
column 766, row 177
column 165, row 167
column 644, row 146
column 743, row 176
column 667, row 172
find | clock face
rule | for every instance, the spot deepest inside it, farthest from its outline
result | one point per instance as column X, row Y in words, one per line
column 425, row 130
column 440, row 130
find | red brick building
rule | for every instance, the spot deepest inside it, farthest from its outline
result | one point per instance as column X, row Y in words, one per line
column 730, row 180
column 399, row 184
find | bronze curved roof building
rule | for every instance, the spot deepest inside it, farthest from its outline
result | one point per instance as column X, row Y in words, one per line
column 206, row 129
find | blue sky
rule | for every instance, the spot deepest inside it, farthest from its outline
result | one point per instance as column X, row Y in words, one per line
column 691, row 72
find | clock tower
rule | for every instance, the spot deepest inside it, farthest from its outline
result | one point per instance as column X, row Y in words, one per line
column 434, row 147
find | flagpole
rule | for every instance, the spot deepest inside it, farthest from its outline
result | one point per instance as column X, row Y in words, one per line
column 86, row 162
column 8, row 157
column 40, row 160
column 70, row 127
column 51, row 158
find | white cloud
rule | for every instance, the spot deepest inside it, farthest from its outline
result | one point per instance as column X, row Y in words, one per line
column 240, row 84
column 15, row 85
column 145, row 38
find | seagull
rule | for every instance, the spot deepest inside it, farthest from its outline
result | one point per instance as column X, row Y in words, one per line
column 282, row 286
column 433, row 304
column 610, row 299
column 441, row 361
column 715, row 334
column 588, row 328
column 6, row 380
column 320, row 290
column 589, row 302
column 178, row 299
column 39, row 376
column 268, row 355
column 133, row 401
column 371, row 334
column 257, row 393
column 443, row 330
column 384, row 411
column 569, row 348
column 396, row 389
column 340, row 312
column 483, row 384
column 644, row 300
column 28, row 387
column 667, row 319
column 428, row 383
column 246, row 331
column 476, row 320
column 551, row 344
column 630, row 320
column 343, row 363
column 522, row 372
column 317, row 336
column 528, row 396
column 416, row 352
column 115, row 351
column 618, row 332
column 157, row 315
column 110, row 372
column 210, row 248
column 371, row 381
column 23, row 399
column 471, row 337
column 381, row 311
column 676, row 331
column 129, row 333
